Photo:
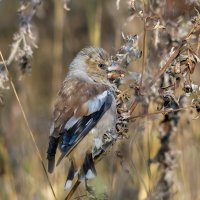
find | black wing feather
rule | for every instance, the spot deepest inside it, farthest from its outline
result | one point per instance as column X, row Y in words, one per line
column 70, row 138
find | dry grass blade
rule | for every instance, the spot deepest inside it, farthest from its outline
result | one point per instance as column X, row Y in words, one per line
column 140, row 178
column 29, row 129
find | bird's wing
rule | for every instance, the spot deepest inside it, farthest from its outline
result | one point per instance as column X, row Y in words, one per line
column 78, row 108
column 73, row 102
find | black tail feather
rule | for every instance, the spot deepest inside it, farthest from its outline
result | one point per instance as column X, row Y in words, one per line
column 53, row 144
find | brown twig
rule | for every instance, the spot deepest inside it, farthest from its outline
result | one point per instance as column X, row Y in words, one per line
column 73, row 189
column 160, row 72
column 160, row 112
column 166, row 65
column 144, row 46
column 133, row 106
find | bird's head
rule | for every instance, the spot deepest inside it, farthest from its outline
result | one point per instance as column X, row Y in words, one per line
column 92, row 61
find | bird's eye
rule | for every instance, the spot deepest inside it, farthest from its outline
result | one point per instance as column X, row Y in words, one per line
column 102, row 66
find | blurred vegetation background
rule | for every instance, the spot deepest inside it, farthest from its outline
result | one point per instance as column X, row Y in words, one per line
column 60, row 35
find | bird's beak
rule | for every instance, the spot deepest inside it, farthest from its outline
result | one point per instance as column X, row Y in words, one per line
column 115, row 71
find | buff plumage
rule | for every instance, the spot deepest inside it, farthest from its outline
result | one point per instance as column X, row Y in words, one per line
column 84, row 113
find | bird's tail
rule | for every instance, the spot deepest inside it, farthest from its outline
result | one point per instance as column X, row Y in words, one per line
column 51, row 152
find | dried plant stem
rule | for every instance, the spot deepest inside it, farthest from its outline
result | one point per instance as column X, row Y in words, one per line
column 144, row 45
column 157, row 76
column 139, row 176
column 112, row 179
column 133, row 106
column 160, row 112
column 72, row 191
column 24, row 31
column 166, row 65
column 57, row 45
column 28, row 127
column 165, row 158
column 149, row 156
column 198, row 46
column 172, row 57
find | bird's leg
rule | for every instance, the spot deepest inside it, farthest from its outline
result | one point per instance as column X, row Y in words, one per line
column 88, row 167
column 86, row 184
column 70, row 176
column 51, row 152
column 89, row 189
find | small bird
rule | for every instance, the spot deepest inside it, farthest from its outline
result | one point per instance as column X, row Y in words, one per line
column 84, row 116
